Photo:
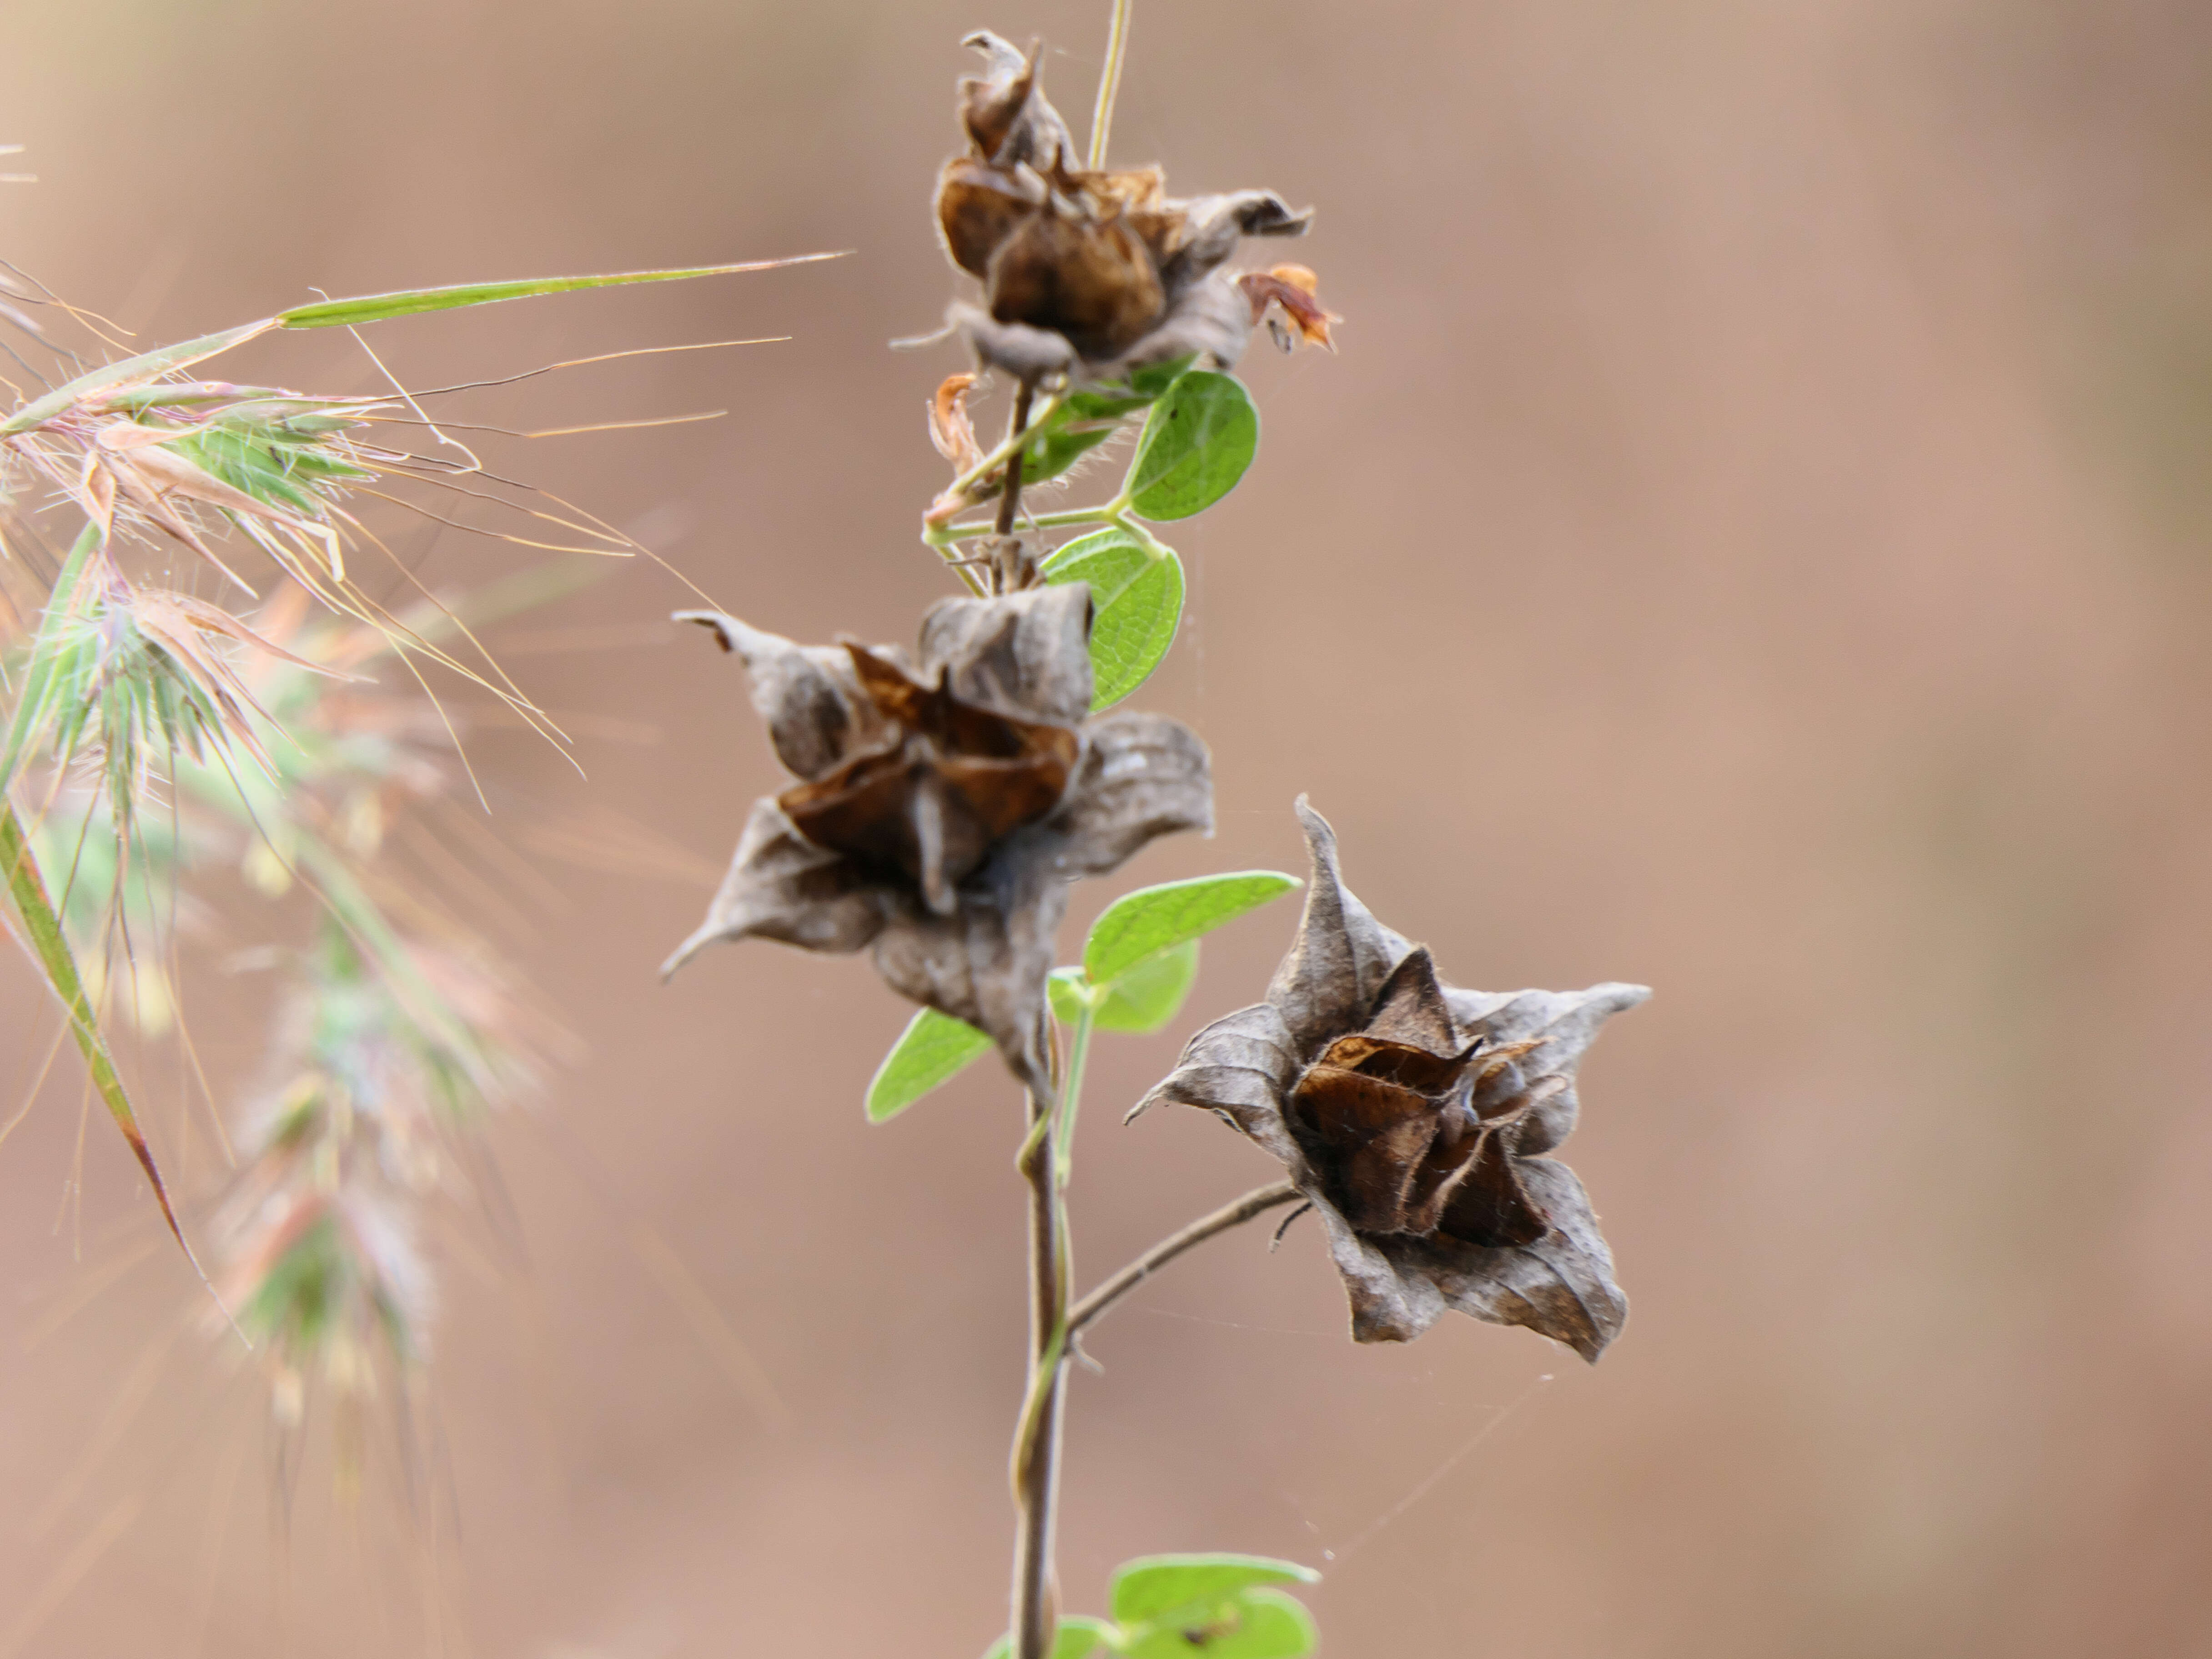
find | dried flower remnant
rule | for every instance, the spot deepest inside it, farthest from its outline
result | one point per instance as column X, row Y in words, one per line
column 1412, row 1117
column 945, row 803
column 1294, row 290
column 1086, row 272
column 951, row 428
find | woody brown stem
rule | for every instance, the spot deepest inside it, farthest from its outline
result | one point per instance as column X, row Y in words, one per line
column 1255, row 1202
column 1009, row 497
column 1036, row 1438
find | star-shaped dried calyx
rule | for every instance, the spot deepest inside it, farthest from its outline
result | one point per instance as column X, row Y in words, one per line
column 1094, row 272
column 1412, row 1115
column 946, row 802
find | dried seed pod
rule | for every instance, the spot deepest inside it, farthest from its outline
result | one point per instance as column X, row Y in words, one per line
column 944, row 804
column 1088, row 271
column 1412, row 1115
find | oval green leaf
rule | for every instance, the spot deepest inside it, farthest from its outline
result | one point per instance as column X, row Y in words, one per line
column 1076, row 1638
column 1154, row 919
column 932, row 1049
column 1258, row 1624
column 1153, row 379
column 1196, row 444
column 1163, row 1589
column 1136, row 598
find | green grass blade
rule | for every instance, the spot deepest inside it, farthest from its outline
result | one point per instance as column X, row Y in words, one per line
column 26, row 892
column 375, row 307
column 145, row 366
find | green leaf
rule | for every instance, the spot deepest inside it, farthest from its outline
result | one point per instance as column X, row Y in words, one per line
column 1155, row 378
column 1166, row 1590
column 1155, row 919
column 1257, row 1623
column 932, row 1049
column 1136, row 596
column 1148, row 995
column 1082, row 422
column 1144, row 999
column 375, row 307
column 1059, row 446
column 1106, row 403
column 1196, row 445
column 1076, row 1638
column 1064, row 990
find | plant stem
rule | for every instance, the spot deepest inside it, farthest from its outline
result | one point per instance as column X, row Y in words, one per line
column 1071, row 515
column 1109, row 83
column 1036, row 1438
column 1010, row 495
column 1044, row 1162
column 1255, row 1202
column 1114, row 512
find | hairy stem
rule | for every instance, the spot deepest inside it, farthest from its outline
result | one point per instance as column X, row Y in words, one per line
column 1255, row 1202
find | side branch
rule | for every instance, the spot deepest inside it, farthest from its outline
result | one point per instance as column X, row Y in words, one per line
column 1255, row 1202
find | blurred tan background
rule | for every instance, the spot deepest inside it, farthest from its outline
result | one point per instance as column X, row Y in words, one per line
column 1752, row 541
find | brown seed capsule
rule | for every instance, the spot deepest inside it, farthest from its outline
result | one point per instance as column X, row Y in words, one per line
column 1088, row 271
column 1411, row 1114
column 945, row 806
column 955, row 779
